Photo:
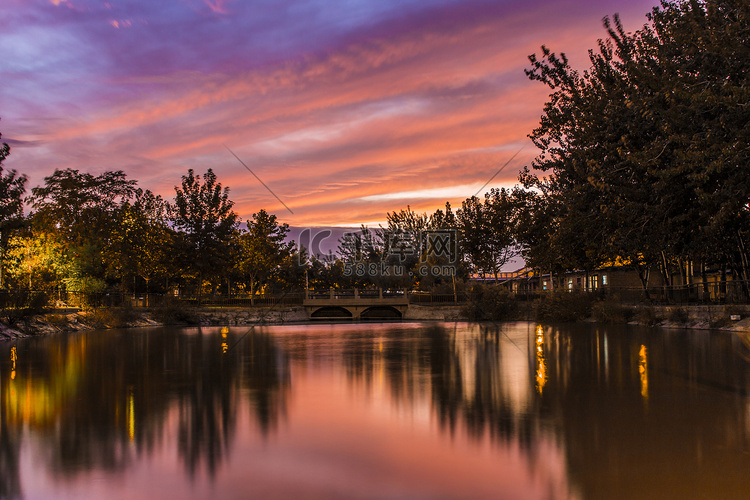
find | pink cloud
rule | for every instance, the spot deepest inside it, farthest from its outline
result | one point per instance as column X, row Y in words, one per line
column 405, row 105
column 217, row 6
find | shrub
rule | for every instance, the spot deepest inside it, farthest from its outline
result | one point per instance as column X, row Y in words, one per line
column 678, row 315
column 175, row 312
column 611, row 311
column 564, row 306
column 20, row 305
column 112, row 317
column 647, row 316
column 59, row 321
column 490, row 302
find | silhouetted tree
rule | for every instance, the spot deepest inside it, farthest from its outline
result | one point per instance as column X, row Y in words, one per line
column 203, row 212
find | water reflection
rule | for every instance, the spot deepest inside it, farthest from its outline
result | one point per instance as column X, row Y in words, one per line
column 100, row 401
column 594, row 413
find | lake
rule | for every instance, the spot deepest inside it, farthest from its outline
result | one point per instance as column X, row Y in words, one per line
column 376, row 411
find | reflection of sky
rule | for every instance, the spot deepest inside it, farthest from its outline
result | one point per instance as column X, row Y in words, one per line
column 335, row 105
column 376, row 410
column 338, row 437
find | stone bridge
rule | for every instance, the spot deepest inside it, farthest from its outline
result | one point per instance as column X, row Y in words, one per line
column 356, row 304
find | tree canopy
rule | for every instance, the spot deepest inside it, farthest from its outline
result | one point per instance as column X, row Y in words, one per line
column 644, row 156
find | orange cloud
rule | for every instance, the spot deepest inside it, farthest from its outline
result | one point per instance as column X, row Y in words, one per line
column 332, row 131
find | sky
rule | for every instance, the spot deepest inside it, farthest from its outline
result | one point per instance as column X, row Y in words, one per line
column 346, row 110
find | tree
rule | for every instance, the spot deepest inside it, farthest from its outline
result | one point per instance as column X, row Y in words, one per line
column 264, row 249
column 141, row 242
column 79, row 210
column 80, row 206
column 644, row 155
column 12, row 189
column 487, row 230
column 203, row 212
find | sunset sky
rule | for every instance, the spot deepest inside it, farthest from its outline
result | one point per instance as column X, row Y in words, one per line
column 345, row 109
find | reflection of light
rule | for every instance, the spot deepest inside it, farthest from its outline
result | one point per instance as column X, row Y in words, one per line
column 38, row 401
column 643, row 371
column 224, row 332
column 131, row 415
column 13, row 357
column 224, row 347
column 541, row 365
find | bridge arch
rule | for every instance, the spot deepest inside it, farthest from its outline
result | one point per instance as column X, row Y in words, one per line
column 331, row 312
column 381, row 312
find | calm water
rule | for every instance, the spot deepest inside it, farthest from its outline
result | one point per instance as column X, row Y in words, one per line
column 403, row 411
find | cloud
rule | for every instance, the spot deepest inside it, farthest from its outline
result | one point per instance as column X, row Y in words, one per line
column 345, row 113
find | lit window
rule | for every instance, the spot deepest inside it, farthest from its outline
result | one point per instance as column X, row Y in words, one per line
column 570, row 283
column 604, row 280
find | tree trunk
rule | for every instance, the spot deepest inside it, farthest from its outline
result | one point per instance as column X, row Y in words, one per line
column 252, row 291
column 681, row 267
column 644, row 272
column 743, row 259
column 200, row 287
column 665, row 270
column 704, row 279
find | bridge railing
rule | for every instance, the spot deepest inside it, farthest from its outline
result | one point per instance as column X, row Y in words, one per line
column 427, row 298
column 356, row 293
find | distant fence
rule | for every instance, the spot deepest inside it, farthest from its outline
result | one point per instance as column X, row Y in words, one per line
column 730, row 292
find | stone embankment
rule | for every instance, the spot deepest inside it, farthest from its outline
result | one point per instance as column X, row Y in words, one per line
column 731, row 318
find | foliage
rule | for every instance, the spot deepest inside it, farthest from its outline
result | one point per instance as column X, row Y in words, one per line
column 12, row 189
column 141, row 242
column 644, row 155
column 487, row 230
column 174, row 312
column 38, row 260
column 611, row 310
column 79, row 206
column 647, row 315
column 59, row 321
column 19, row 304
column 203, row 212
column 490, row 303
column 73, row 220
column 678, row 315
column 264, row 250
column 112, row 317
column 564, row 306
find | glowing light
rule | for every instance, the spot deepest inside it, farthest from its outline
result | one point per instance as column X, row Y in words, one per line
column 643, row 371
column 131, row 415
column 541, row 363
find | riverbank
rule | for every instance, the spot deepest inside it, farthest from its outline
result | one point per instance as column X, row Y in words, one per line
column 731, row 318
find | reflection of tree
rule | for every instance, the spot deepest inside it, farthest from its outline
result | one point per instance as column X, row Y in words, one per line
column 267, row 378
column 10, row 445
column 467, row 375
column 461, row 374
column 638, row 420
column 97, row 399
column 206, row 404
